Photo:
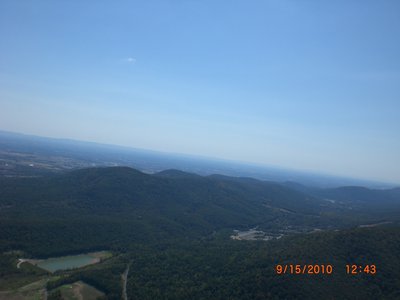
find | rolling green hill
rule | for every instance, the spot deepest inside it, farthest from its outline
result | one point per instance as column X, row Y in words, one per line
column 101, row 206
column 175, row 227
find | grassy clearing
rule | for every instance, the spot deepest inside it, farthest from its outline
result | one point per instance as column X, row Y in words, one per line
column 78, row 291
column 13, row 278
column 27, row 281
column 32, row 291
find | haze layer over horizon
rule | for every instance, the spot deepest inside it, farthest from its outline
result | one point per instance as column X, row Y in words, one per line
column 302, row 85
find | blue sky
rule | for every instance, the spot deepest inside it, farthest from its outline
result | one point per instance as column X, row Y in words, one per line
column 311, row 85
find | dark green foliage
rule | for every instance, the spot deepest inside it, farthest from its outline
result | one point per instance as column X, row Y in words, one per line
column 175, row 229
column 105, row 277
column 92, row 209
column 55, row 295
column 225, row 269
column 11, row 277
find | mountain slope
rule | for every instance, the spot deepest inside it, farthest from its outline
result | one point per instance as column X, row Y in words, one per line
column 98, row 206
column 175, row 228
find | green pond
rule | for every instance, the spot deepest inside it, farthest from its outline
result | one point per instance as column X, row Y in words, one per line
column 66, row 262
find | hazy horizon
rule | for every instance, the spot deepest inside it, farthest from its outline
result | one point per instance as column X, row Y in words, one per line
column 290, row 172
column 300, row 85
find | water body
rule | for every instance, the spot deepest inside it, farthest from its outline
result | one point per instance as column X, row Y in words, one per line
column 68, row 262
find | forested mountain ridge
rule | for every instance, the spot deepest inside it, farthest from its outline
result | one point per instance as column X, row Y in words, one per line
column 116, row 203
column 175, row 228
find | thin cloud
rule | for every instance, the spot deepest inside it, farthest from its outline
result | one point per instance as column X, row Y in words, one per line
column 130, row 60
column 127, row 61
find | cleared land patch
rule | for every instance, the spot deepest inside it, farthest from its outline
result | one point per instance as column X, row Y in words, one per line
column 78, row 290
column 35, row 290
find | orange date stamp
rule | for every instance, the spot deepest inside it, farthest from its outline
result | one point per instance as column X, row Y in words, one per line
column 311, row 269
column 325, row 269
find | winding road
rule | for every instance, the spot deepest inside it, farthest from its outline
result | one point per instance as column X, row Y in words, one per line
column 124, row 281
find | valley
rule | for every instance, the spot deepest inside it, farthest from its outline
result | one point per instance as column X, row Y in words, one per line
column 192, row 150
column 178, row 232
